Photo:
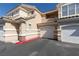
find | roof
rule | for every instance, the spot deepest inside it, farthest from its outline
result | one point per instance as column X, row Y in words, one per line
column 25, row 6
column 51, row 14
column 52, row 11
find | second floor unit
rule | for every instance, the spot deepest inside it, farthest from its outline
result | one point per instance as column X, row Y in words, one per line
column 68, row 10
column 24, row 11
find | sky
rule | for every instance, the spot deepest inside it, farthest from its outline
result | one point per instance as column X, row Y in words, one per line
column 43, row 7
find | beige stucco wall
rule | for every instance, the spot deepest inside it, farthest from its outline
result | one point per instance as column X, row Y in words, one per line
column 33, row 30
column 23, row 14
column 22, row 29
column 10, row 30
column 10, row 33
column 35, row 21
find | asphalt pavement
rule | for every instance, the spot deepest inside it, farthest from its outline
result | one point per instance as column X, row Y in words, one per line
column 41, row 47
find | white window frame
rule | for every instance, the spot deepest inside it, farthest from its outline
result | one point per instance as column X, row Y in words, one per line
column 75, row 12
column 68, row 10
column 61, row 11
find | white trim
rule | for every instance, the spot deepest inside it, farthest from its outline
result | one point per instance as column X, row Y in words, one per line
column 10, row 29
column 60, row 12
column 75, row 9
column 22, row 34
column 32, row 29
column 66, row 4
column 29, row 34
column 10, row 34
column 68, row 10
column 76, row 13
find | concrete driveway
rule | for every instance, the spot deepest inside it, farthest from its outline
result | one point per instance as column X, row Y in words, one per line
column 42, row 47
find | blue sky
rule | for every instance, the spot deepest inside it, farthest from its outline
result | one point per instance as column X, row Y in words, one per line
column 43, row 7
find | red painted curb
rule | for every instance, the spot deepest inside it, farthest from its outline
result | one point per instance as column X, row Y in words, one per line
column 27, row 41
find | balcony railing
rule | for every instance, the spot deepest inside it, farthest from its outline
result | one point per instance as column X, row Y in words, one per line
column 27, row 17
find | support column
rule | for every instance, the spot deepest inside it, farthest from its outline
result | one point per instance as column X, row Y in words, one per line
column 55, row 33
column 59, row 33
column 22, row 32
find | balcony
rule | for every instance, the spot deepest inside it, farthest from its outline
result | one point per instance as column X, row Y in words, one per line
column 22, row 14
column 17, row 16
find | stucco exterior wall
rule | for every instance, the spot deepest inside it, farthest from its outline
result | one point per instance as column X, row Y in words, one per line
column 23, row 14
column 34, row 21
column 22, row 29
column 27, row 31
column 10, row 33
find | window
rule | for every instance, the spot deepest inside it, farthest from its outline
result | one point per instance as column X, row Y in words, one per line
column 71, row 9
column 77, row 8
column 64, row 10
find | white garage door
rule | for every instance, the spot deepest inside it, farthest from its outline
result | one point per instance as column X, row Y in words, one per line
column 70, row 34
column 1, row 33
column 46, row 32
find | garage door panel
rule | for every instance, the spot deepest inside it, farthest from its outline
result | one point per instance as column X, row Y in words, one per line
column 67, row 32
column 70, row 34
column 46, row 32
